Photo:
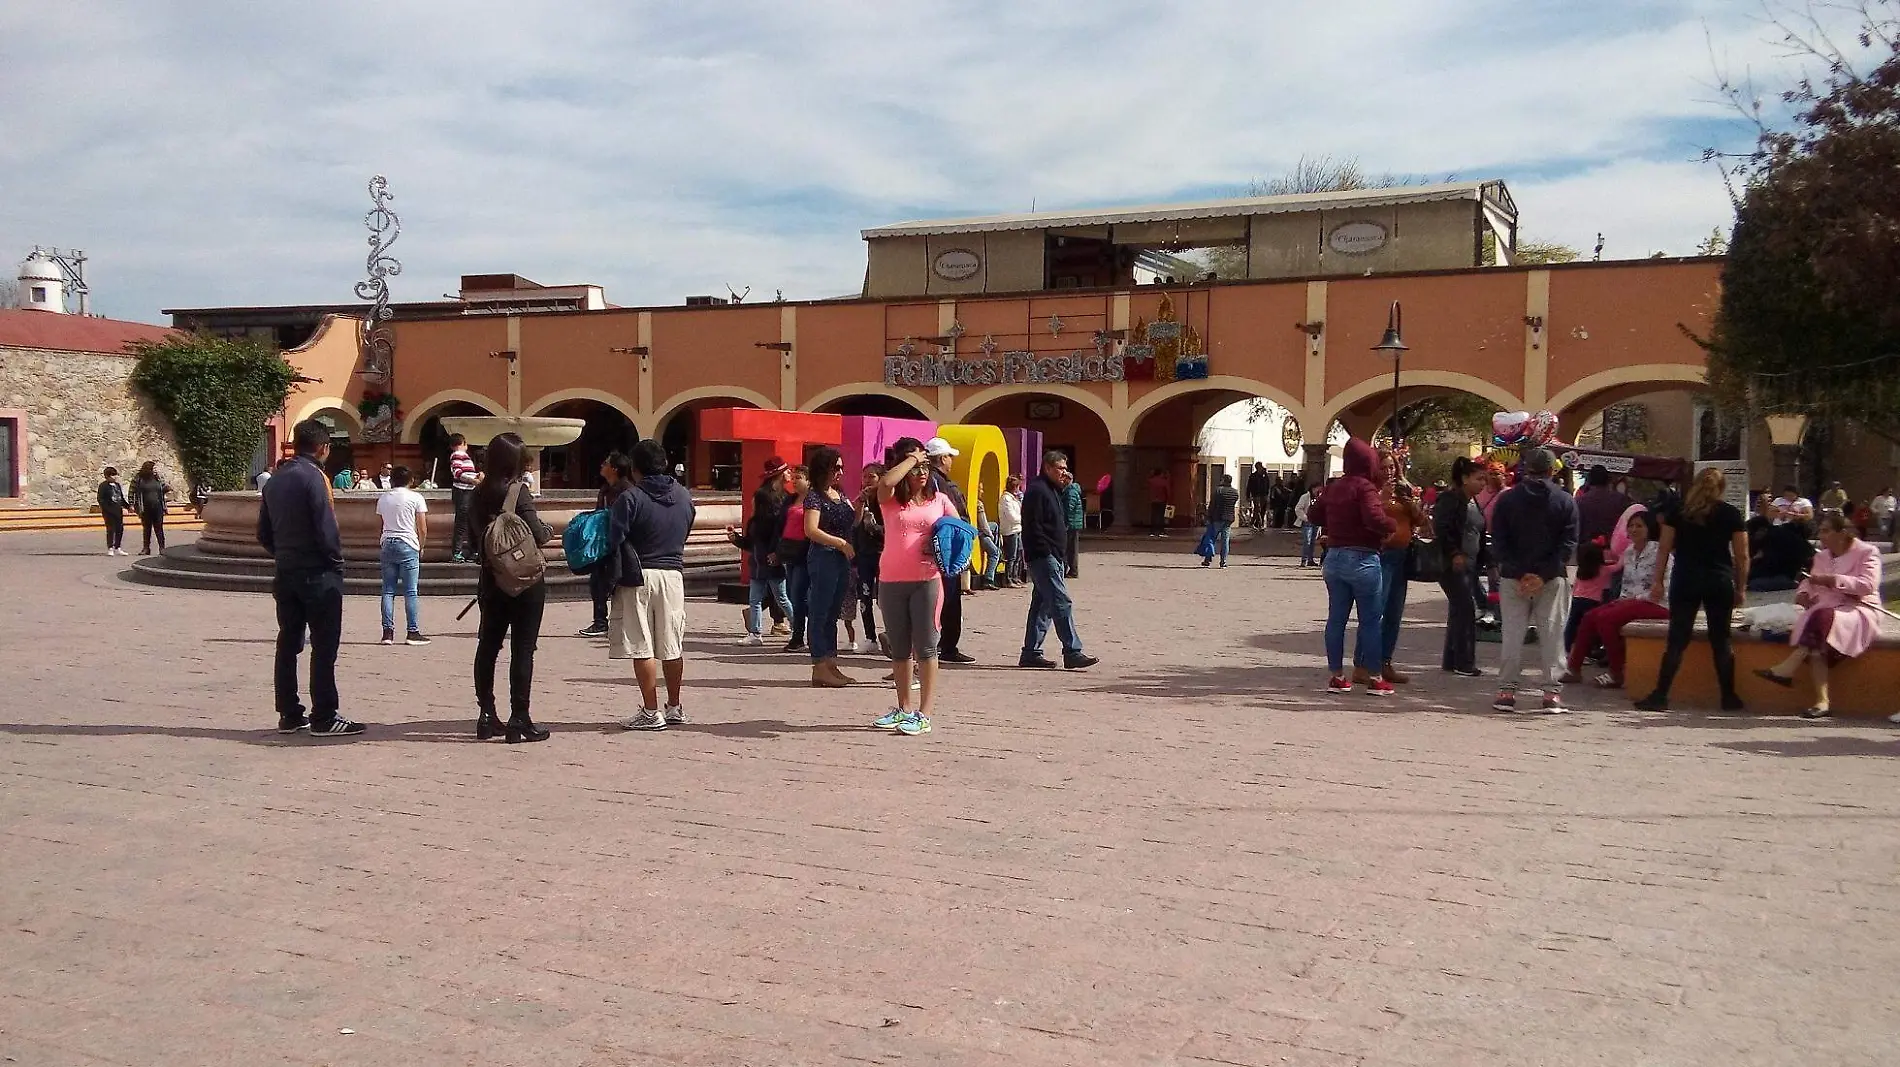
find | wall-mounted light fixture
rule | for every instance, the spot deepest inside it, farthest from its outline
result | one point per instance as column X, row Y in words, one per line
column 508, row 354
column 784, row 348
column 634, row 350
column 1536, row 323
column 1312, row 330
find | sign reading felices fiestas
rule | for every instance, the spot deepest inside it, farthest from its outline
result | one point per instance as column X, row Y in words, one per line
column 1005, row 368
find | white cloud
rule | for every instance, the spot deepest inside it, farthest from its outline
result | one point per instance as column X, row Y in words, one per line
column 214, row 152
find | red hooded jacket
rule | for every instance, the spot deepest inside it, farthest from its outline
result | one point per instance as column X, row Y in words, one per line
column 1350, row 514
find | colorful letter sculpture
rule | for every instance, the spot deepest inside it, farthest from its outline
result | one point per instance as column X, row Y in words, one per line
column 762, row 434
column 866, row 437
column 979, row 469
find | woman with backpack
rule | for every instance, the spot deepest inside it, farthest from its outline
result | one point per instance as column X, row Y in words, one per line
column 511, row 590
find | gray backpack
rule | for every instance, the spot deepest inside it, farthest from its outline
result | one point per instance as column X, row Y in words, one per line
column 510, row 550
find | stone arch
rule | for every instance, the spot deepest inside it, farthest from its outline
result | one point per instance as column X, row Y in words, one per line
column 419, row 413
column 1411, row 383
column 1102, row 409
column 682, row 399
column 1226, row 383
column 925, row 409
column 1646, row 378
column 541, row 405
column 325, row 405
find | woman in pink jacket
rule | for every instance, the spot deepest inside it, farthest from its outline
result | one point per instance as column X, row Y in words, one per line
column 1840, row 620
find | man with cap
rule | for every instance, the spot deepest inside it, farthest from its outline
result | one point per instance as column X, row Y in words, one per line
column 940, row 453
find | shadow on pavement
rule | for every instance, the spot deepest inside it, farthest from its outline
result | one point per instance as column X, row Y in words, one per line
column 1829, row 745
column 454, row 731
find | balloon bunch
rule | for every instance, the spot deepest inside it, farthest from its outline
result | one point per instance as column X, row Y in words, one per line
column 1521, row 429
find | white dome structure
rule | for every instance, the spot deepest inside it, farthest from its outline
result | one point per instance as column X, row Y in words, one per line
column 42, row 285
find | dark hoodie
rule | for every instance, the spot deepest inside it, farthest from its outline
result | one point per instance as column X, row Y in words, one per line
column 1350, row 514
column 649, row 526
column 1534, row 529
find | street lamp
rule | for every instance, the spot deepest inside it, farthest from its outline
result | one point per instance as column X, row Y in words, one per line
column 1392, row 346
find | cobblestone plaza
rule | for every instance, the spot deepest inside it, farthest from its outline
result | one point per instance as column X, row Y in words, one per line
column 1188, row 855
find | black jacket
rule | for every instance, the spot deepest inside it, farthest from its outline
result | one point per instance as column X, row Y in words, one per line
column 1451, row 517
column 296, row 522
column 649, row 528
column 1534, row 529
column 1222, row 507
column 1045, row 526
column 944, row 485
column 112, row 498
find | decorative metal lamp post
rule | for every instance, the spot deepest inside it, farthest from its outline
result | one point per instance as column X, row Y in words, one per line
column 1392, row 346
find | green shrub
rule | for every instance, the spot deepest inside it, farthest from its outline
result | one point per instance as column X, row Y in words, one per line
column 218, row 393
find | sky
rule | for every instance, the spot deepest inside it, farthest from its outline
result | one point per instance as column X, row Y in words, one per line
column 216, row 152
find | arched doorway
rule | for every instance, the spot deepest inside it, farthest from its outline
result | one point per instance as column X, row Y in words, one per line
column 577, row 465
column 708, row 464
column 342, row 448
column 871, row 405
column 1199, row 436
column 1066, row 426
column 434, row 440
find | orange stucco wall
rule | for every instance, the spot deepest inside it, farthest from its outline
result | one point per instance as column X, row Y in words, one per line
column 1465, row 329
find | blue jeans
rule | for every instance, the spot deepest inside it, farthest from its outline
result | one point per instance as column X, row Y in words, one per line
column 755, row 601
column 1049, row 602
column 1223, row 534
column 401, row 564
column 1354, row 578
column 992, row 556
column 1392, row 596
column 798, row 587
column 1309, row 541
column 829, row 575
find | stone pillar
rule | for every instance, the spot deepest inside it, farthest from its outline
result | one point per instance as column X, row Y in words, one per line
column 1318, row 455
column 1786, row 434
column 1787, row 467
column 1122, row 491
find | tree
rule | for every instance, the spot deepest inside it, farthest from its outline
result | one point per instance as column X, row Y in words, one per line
column 1809, row 318
column 1310, row 174
column 1534, row 253
column 217, row 392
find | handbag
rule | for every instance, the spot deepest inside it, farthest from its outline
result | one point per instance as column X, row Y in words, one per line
column 1424, row 562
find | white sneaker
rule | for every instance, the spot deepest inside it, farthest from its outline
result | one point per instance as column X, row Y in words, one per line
column 865, row 646
column 674, row 715
column 752, row 639
column 1894, row 718
column 647, row 719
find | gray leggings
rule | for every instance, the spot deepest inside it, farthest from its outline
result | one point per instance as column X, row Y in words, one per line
column 910, row 618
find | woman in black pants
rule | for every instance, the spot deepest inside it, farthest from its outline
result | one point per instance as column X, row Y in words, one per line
column 1705, row 541
column 616, row 472
column 148, row 498
column 517, row 617
column 1458, row 525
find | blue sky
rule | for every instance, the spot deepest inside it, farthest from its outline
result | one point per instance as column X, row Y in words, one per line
column 208, row 152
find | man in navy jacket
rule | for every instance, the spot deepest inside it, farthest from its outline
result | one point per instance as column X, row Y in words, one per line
column 296, row 524
column 1045, row 544
column 1534, row 533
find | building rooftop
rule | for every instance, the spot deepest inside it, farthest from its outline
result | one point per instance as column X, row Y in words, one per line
column 22, row 328
column 1491, row 191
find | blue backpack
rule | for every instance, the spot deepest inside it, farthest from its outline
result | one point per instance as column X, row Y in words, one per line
column 584, row 542
column 956, row 543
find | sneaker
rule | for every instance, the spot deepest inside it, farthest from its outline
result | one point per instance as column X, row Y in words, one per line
column 1506, row 701
column 1554, row 704
column 1467, row 672
column 1078, row 662
column 339, row 727
column 913, row 724
column 864, row 647
column 752, row 639
column 415, row 638
column 592, row 629
column 1653, row 702
column 291, row 726
column 1818, row 713
column 389, row 637
column 890, row 719
column 1894, row 718
column 794, row 646
column 953, row 656
column 648, row 719
column 1339, row 684
column 674, row 715
column 1381, row 688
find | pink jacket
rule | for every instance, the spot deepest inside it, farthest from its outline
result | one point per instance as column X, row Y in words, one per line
column 1856, row 623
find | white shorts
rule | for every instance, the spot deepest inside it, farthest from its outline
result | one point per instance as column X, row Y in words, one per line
column 649, row 621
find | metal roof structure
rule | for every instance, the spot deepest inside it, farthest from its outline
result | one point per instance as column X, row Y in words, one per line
column 1491, row 193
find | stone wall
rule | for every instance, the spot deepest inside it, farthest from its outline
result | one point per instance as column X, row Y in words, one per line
column 82, row 415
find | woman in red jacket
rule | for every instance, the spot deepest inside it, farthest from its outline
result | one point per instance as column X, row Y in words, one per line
column 1352, row 518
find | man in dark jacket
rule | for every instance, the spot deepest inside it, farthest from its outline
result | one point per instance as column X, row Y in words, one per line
column 1599, row 507
column 1258, row 485
column 1458, row 524
column 1045, row 544
column 1534, row 534
column 296, row 524
column 648, row 532
column 1220, row 520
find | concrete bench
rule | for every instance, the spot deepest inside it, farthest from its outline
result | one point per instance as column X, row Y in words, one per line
column 1867, row 685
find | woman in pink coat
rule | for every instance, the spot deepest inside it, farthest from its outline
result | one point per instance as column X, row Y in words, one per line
column 1840, row 620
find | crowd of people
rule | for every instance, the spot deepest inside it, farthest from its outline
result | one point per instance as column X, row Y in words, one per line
column 884, row 556
column 1570, row 571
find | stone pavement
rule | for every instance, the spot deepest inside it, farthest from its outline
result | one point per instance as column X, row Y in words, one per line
column 1185, row 856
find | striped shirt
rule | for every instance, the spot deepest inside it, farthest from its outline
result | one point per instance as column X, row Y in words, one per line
column 461, row 469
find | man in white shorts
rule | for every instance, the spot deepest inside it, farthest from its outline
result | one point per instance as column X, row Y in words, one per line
column 647, row 620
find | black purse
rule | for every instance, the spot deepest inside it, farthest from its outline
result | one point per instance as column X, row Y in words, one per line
column 1424, row 562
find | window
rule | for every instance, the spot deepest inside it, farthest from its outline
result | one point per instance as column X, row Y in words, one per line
column 9, row 452
column 39, row 294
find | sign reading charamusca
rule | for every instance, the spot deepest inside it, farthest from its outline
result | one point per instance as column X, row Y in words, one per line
column 1007, row 368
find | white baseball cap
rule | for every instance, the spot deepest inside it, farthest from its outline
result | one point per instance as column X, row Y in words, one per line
column 937, row 446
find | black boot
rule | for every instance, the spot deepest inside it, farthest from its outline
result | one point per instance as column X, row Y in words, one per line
column 488, row 725
column 522, row 728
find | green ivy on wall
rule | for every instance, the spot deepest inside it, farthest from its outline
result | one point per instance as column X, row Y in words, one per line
column 218, row 393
